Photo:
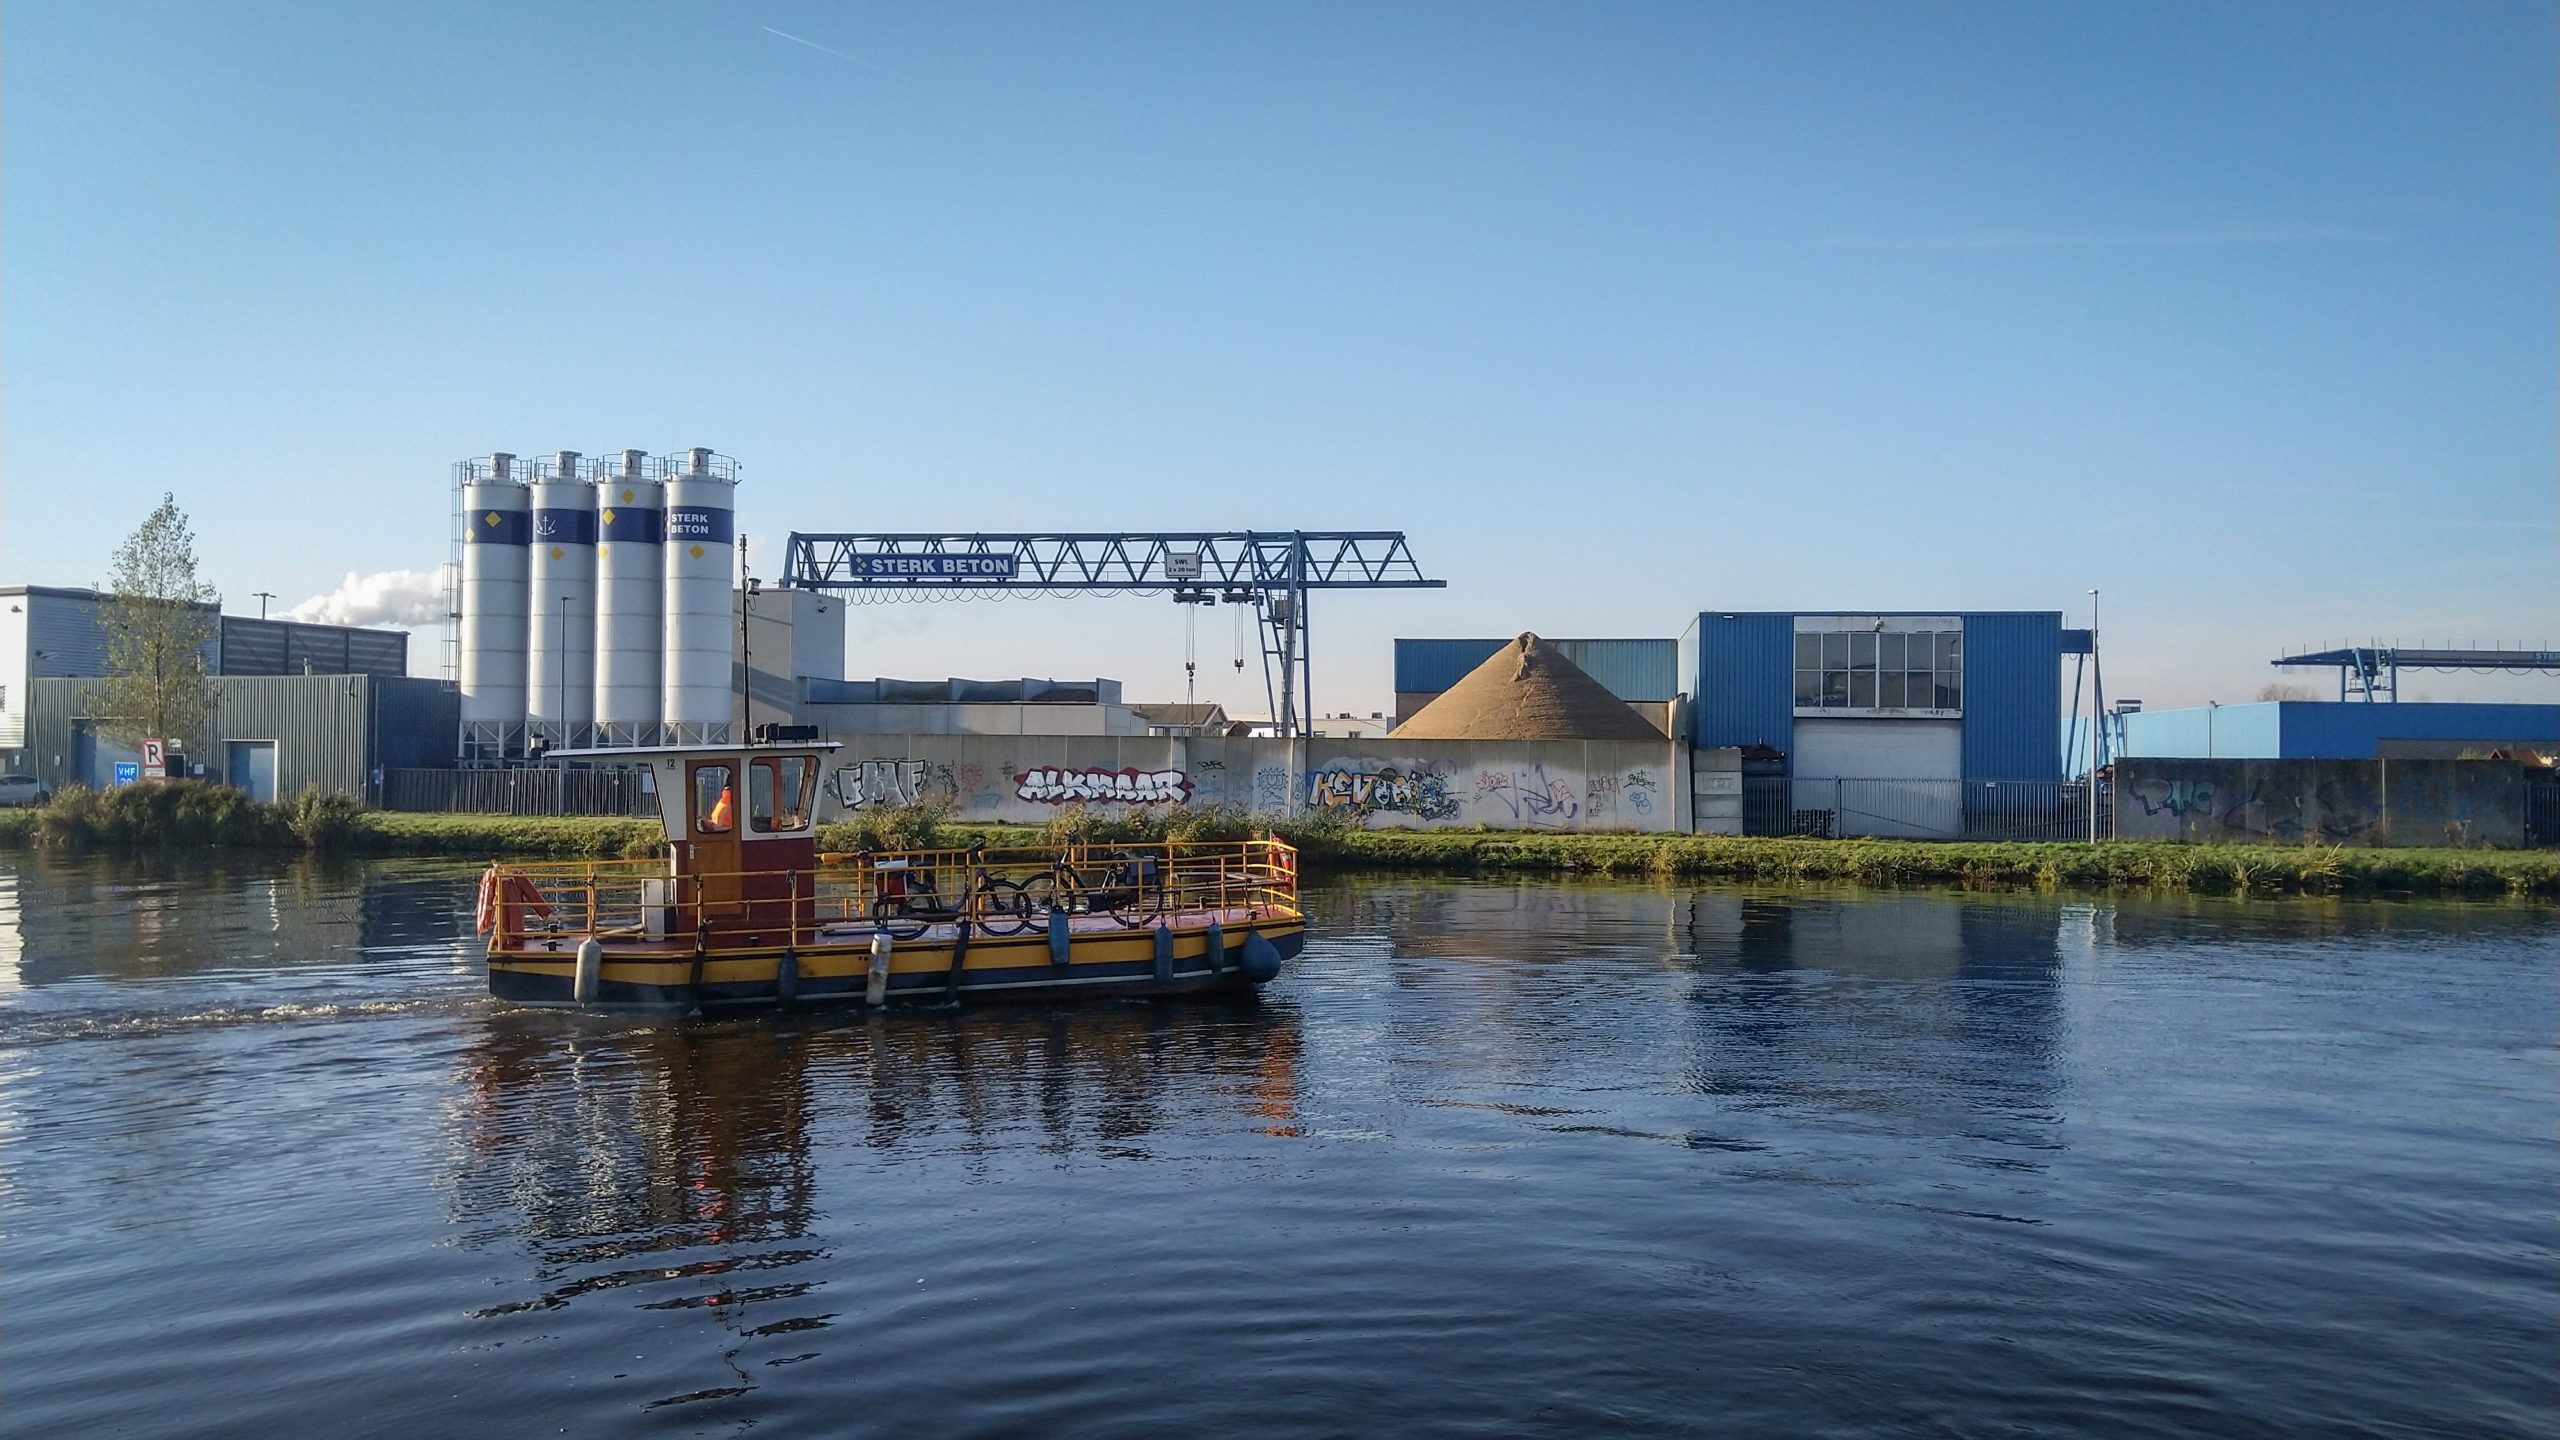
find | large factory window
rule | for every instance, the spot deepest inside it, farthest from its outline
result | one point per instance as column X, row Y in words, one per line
column 1880, row 670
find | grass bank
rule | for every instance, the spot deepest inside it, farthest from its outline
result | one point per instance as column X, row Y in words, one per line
column 2210, row 869
column 195, row 815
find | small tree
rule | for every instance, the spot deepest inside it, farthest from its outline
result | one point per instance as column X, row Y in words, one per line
column 158, row 617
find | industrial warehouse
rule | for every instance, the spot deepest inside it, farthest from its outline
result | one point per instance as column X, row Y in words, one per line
column 600, row 604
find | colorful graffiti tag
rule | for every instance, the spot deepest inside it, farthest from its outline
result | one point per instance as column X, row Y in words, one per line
column 1109, row 787
column 1419, row 793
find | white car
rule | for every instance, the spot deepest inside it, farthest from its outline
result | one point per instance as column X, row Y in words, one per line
column 23, row 790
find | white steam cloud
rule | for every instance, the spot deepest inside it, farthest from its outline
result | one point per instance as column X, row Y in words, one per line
column 403, row 598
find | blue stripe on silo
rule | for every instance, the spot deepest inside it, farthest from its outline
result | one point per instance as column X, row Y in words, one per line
column 1431, row 666
column 631, row 525
column 1744, row 691
column 2013, row 695
column 700, row 523
column 565, row 527
column 500, row 527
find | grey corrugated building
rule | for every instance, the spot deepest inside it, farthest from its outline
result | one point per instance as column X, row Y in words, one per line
column 269, row 735
column 299, row 704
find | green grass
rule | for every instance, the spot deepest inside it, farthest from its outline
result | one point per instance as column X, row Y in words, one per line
column 582, row 837
column 206, row 817
column 2210, row 869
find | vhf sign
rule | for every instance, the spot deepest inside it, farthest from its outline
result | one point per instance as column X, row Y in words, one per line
column 933, row 567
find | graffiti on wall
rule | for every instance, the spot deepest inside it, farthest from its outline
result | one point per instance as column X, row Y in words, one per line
column 1047, row 786
column 890, row 782
column 1422, row 793
column 1613, row 797
column 1209, row 782
column 2177, row 797
column 1271, row 789
column 1525, row 795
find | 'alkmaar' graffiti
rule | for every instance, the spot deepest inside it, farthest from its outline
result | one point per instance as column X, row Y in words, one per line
column 1120, row 787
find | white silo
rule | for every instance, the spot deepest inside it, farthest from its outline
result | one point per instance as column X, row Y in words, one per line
column 560, row 657
column 497, row 522
column 698, row 688
column 631, row 584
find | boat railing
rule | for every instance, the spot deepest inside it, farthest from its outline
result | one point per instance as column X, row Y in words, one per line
column 903, row 892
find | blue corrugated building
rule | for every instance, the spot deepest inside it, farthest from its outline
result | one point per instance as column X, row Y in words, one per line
column 2334, row 730
column 1643, row 672
column 1884, row 695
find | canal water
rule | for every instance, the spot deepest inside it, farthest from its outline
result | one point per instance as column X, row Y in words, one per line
column 1494, row 1157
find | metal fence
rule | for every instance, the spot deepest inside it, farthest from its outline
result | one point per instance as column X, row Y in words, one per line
column 541, row 791
column 1924, row 809
column 2542, row 814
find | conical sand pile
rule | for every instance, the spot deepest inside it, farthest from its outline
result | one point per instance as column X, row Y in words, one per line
column 1527, row 692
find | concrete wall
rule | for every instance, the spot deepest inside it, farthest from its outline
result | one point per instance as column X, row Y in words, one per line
column 2355, row 802
column 1510, row 785
column 1715, row 791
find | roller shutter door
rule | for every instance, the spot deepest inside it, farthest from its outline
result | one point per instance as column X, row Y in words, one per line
column 1879, row 749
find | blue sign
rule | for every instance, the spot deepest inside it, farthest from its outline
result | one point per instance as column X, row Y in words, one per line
column 699, row 524
column 933, row 567
column 128, row 772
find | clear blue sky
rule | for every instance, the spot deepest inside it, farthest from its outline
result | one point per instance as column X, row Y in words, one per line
column 2245, row 314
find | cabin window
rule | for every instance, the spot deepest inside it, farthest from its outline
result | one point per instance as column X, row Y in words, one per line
column 714, row 799
column 779, row 797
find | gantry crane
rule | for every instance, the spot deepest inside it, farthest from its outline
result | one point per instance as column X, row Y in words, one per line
column 1271, row 570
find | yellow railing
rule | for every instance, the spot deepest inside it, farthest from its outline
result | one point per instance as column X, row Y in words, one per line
column 999, row 892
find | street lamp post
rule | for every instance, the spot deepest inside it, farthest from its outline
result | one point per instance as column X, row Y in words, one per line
column 2097, row 717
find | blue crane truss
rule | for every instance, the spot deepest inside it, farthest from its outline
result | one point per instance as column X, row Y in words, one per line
column 1271, row 570
column 2371, row 672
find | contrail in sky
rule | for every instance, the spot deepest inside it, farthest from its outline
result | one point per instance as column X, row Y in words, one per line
column 814, row 45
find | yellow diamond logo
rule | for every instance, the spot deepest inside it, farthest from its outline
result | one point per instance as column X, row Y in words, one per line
column 608, row 517
column 604, row 550
column 626, row 497
column 558, row 554
column 493, row 517
column 697, row 552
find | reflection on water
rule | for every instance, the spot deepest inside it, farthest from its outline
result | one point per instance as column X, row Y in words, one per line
column 1494, row 1156
column 648, row 1137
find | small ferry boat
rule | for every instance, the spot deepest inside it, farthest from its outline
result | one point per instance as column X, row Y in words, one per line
column 745, row 910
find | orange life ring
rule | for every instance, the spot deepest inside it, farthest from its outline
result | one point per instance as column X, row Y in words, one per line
column 497, row 893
